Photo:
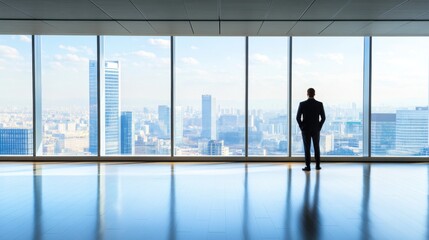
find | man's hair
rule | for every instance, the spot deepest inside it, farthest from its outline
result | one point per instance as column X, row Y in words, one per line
column 311, row 92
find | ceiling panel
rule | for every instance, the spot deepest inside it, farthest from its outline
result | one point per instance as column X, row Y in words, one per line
column 202, row 9
column 58, row 9
column 380, row 28
column 88, row 27
column 411, row 29
column 287, row 9
column 324, row 9
column 311, row 28
column 367, row 9
column 244, row 9
column 26, row 27
column 240, row 28
column 205, row 27
column 276, row 28
column 139, row 27
column 345, row 28
column 119, row 9
column 162, row 9
column 172, row 27
column 9, row 12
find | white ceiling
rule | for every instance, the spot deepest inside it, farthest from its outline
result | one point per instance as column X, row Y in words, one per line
column 216, row 17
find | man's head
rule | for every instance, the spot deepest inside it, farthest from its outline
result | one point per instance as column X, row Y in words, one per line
column 311, row 92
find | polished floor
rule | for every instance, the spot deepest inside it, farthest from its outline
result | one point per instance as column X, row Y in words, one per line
column 213, row 201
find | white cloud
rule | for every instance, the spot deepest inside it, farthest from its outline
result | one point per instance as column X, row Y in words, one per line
column 69, row 48
column 301, row 61
column 25, row 38
column 335, row 57
column 160, row 42
column 70, row 57
column 145, row 54
column 194, row 48
column 189, row 60
column 9, row 52
column 257, row 57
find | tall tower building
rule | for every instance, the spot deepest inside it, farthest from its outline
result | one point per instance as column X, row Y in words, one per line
column 127, row 133
column 178, row 125
column 383, row 133
column 111, row 99
column 208, row 117
column 16, row 141
column 93, row 118
column 164, row 119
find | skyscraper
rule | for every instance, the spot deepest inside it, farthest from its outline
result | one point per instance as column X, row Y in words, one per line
column 127, row 133
column 383, row 133
column 16, row 141
column 164, row 120
column 411, row 131
column 110, row 96
column 93, row 118
column 178, row 127
column 208, row 117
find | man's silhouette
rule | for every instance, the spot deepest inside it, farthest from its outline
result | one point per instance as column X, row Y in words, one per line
column 310, row 125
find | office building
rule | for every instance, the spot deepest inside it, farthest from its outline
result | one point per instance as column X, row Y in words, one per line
column 16, row 141
column 127, row 133
column 411, row 131
column 209, row 117
column 164, row 120
column 383, row 133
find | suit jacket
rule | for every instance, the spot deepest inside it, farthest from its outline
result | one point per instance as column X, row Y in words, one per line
column 310, row 110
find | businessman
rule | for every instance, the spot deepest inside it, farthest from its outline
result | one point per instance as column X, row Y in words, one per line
column 310, row 118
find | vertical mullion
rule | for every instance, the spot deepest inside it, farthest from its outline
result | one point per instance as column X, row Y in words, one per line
column 37, row 96
column 289, row 97
column 246, row 105
column 100, row 70
column 172, row 96
column 367, row 83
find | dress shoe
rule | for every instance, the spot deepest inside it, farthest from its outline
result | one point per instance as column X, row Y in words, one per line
column 306, row 169
column 318, row 168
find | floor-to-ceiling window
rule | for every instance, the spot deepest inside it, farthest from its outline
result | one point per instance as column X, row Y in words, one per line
column 16, row 111
column 209, row 95
column 68, row 73
column 268, row 96
column 333, row 66
column 399, row 121
column 137, row 95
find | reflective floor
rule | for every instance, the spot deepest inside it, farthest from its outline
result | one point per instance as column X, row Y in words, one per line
column 213, row 201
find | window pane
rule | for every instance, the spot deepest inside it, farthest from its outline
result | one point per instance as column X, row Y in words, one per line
column 268, row 95
column 333, row 66
column 210, row 89
column 400, row 96
column 16, row 111
column 137, row 97
column 66, row 75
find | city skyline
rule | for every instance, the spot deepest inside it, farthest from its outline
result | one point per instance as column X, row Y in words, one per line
column 215, row 66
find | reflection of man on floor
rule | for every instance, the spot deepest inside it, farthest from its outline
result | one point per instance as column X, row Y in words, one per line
column 310, row 125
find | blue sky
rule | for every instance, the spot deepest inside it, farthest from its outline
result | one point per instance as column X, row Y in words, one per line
column 215, row 65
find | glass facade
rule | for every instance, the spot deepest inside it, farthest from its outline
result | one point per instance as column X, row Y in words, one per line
column 68, row 75
column 333, row 66
column 137, row 95
column 210, row 92
column 206, row 95
column 400, row 68
column 16, row 111
column 268, row 96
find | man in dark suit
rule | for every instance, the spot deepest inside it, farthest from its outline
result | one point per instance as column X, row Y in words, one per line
column 310, row 125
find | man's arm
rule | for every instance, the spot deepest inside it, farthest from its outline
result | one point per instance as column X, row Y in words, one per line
column 322, row 116
column 298, row 116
